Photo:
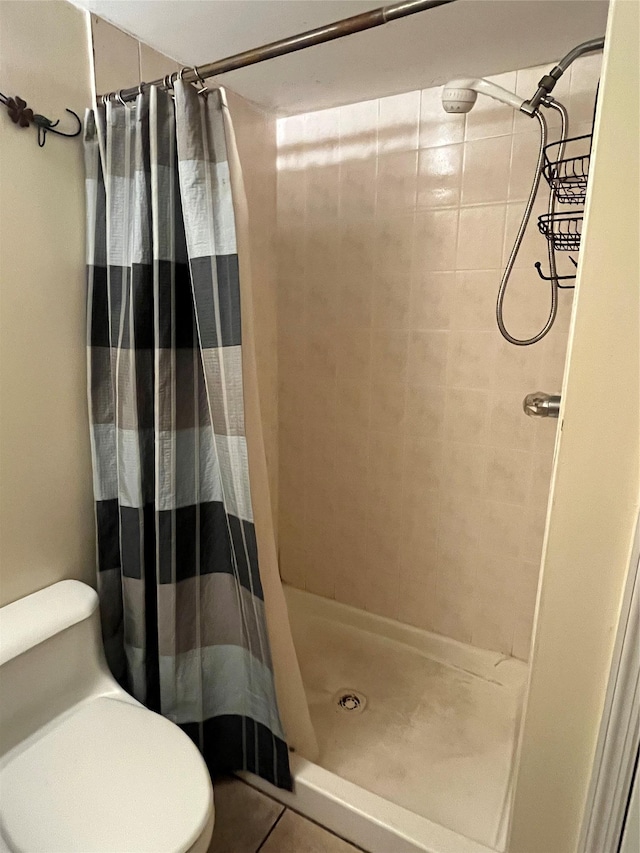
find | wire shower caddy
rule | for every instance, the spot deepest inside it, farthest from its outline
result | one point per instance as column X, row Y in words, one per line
column 566, row 171
column 568, row 175
column 562, row 230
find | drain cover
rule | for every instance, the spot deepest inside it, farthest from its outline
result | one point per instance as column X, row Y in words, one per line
column 350, row 701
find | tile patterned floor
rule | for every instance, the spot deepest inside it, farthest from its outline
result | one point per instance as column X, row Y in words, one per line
column 248, row 821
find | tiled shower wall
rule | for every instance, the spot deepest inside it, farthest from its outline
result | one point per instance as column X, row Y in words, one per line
column 411, row 482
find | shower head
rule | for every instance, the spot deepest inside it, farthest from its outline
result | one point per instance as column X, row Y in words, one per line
column 459, row 96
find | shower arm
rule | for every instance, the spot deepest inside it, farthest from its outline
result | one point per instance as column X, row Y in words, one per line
column 548, row 82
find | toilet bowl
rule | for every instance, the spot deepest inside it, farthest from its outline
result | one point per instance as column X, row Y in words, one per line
column 83, row 766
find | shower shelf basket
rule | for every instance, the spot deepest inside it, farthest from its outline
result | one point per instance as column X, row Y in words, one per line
column 562, row 229
column 568, row 175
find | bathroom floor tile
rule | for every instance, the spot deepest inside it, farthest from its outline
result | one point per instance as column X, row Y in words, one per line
column 243, row 817
column 296, row 834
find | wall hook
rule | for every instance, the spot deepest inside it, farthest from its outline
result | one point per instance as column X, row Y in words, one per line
column 24, row 116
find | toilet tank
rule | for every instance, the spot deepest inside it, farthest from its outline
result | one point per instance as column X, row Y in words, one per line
column 51, row 658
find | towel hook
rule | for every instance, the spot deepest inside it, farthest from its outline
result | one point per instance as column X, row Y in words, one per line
column 23, row 116
column 557, row 278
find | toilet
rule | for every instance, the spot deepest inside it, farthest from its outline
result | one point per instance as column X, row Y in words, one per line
column 83, row 766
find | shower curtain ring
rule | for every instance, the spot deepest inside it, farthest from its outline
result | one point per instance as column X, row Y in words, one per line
column 177, row 75
column 141, row 88
column 120, row 98
column 204, row 88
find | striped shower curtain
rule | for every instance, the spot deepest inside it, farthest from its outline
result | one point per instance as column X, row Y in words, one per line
column 182, row 601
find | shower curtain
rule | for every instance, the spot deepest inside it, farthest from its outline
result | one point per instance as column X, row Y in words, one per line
column 180, row 583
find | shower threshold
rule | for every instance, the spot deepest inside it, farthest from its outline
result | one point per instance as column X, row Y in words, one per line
column 416, row 732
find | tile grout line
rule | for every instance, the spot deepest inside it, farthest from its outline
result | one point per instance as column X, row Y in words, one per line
column 321, row 826
column 272, row 827
column 301, row 815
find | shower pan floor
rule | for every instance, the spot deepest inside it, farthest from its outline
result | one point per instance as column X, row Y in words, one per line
column 435, row 726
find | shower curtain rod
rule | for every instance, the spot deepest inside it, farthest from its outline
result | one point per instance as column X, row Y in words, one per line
column 329, row 32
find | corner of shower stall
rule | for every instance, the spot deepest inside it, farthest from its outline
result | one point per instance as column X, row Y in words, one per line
column 412, row 490
column 417, row 732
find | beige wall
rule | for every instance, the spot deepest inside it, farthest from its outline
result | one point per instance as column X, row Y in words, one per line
column 122, row 61
column 46, row 502
column 411, row 483
column 594, row 502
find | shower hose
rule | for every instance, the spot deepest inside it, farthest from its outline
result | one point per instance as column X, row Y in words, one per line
column 549, row 103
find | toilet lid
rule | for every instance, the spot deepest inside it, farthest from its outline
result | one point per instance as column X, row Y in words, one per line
column 111, row 778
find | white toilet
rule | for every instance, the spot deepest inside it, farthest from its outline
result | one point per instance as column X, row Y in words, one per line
column 83, row 766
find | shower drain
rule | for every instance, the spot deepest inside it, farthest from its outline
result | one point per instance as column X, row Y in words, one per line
column 350, row 701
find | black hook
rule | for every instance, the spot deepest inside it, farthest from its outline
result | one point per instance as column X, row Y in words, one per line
column 45, row 126
column 21, row 115
column 557, row 278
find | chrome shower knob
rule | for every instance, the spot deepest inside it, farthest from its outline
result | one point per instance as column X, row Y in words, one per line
column 541, row 405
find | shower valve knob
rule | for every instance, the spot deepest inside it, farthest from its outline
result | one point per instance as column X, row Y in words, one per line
column 541, row 405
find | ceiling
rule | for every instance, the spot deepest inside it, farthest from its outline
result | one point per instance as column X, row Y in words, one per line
column 465, row 38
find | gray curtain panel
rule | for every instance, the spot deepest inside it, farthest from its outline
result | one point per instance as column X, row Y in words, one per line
column 178, row 576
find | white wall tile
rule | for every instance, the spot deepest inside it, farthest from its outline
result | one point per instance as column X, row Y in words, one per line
column 438, row 483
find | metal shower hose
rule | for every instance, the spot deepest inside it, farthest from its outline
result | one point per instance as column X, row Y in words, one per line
column 521, row 231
